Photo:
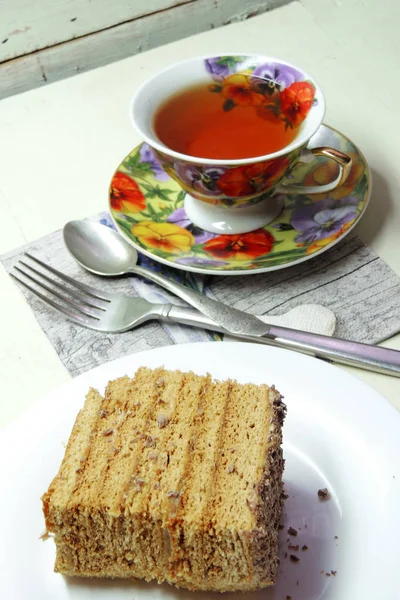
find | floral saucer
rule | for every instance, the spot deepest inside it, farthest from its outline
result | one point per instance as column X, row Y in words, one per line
column 147, row 208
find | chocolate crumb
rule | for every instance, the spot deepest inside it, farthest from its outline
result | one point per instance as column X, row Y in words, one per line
column 304, row 547
column 285, row 496
column 288, row 597
column 292, row 531
column 285, row 555
column 108, row 431
column 294, row 558
column 294, row 548
column 334, row 573
column 327, row 574
column 336, row 537
column 297, row 582
column 305, row 526
column 323, row 494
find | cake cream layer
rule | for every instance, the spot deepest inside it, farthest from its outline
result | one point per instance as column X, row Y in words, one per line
column 175, row 477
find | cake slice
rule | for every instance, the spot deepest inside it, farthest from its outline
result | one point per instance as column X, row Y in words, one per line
column 172, row 477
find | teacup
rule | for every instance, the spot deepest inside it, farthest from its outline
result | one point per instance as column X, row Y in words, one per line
column 240, row 195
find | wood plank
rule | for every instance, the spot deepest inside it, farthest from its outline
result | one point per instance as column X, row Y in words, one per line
column 30, row 25
column 115, row 43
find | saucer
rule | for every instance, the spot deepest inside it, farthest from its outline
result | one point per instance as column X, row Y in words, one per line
column 147, row 208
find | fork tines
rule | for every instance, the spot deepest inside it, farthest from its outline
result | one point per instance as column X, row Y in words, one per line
column 76, row 300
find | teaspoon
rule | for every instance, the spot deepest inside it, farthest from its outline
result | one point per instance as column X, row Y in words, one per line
column 102, row 251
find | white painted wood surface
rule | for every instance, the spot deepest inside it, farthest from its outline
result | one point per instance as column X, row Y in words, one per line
column 30, row 25
column 43, row 41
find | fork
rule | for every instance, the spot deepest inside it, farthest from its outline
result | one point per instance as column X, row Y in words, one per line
column 95, row 309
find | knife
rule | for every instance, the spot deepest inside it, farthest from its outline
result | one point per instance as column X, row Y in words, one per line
column 242, row 325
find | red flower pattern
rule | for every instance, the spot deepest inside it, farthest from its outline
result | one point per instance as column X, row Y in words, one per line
column 125, row 194
column 244, row 246
column 296, row 101
column 250, row 179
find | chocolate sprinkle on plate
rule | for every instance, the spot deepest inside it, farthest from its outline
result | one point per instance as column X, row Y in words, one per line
column 323, row 494
column 292, row 531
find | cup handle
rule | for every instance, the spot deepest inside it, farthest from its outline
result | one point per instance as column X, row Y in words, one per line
column 343, row 160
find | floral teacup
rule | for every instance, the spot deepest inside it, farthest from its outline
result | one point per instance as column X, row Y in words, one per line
column 235, row 196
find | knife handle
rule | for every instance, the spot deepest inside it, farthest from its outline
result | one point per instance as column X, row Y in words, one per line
column 354, row 354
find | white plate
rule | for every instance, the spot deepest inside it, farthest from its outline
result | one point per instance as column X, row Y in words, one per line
column 339, row 434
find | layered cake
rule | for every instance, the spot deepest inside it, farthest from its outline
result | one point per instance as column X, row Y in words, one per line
column 172, row 477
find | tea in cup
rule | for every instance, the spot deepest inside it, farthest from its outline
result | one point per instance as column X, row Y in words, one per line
column 229, row 130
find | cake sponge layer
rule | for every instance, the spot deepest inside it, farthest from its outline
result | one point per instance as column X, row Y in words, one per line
column 172, row 477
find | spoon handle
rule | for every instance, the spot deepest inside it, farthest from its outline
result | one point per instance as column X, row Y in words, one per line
column 211, row 308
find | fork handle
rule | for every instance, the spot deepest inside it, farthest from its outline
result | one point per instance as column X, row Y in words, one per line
column 354, row 354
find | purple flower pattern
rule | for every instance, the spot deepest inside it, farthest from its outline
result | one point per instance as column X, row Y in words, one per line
column 147, row 156
column 202, row 179
column 199, row 261
column 108, row 222
column 216, row 69
column 179, row 217
column 278, row 75
column 324, row 218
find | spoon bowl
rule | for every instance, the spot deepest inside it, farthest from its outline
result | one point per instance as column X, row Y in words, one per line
column 99, row 249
